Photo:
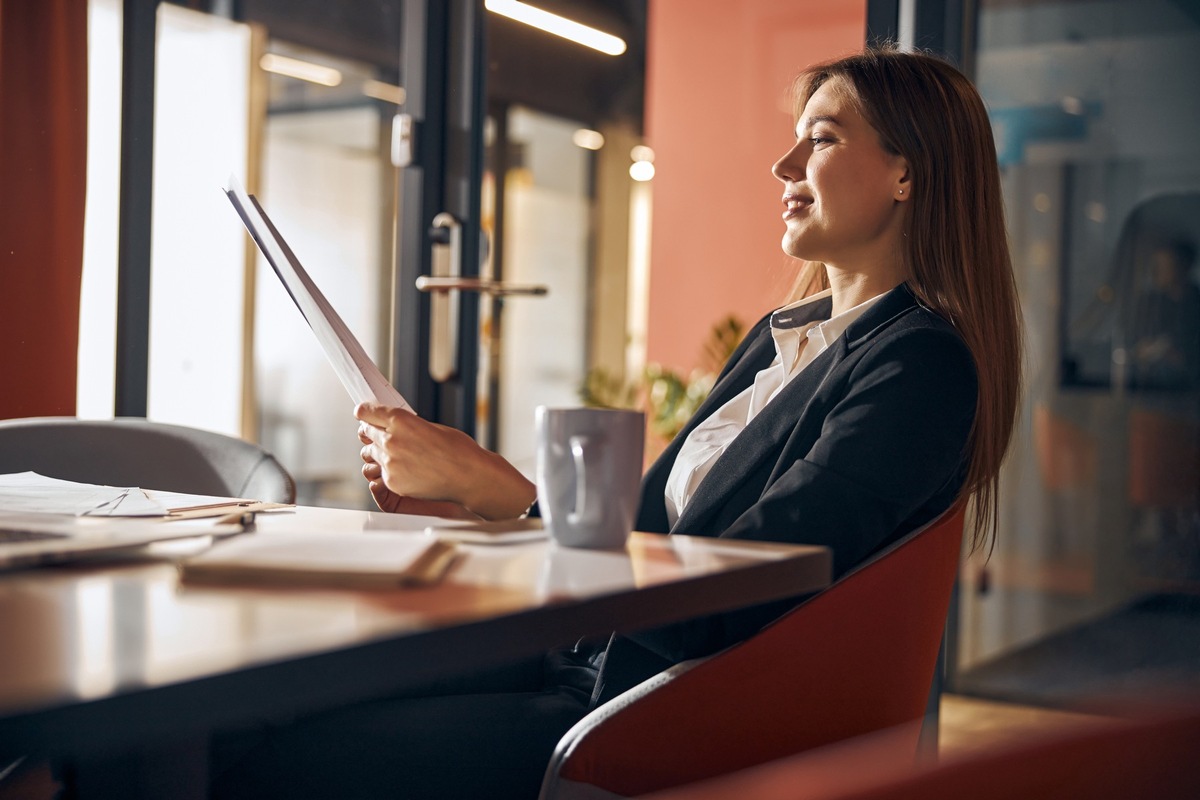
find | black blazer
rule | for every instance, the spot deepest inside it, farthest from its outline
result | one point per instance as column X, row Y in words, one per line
column 866, row 444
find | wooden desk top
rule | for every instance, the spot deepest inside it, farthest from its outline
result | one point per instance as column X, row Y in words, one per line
column 120, row 651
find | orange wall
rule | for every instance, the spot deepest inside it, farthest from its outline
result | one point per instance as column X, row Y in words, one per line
column 43, row 155
column 717, row 116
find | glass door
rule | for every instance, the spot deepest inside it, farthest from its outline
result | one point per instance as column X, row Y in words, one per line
column 361, row 127
column 543, row 188
column 511, row 222
column 371, row 165
column 329, row 92
column 433, row 227
column 326, row 177
column 1090, row 599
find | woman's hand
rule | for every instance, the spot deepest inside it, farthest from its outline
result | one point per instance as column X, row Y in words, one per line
column 416, row 466
column 393, row 503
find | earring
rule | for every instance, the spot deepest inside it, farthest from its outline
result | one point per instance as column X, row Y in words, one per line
column 901, row 191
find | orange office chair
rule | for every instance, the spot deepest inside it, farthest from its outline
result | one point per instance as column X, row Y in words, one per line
column 1110, row 760
column 858, row 657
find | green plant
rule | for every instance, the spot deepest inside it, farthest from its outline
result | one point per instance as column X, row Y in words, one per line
column 668, row 398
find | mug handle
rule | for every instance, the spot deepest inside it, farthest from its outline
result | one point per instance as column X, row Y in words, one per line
column 581, row 446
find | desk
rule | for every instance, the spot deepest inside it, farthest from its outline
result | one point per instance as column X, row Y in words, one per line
column 105, row 659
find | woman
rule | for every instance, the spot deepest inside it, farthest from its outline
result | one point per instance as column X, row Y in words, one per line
column 846, row 419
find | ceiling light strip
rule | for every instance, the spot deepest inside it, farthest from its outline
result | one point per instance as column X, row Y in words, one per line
column 301, row 70
column 559, row 26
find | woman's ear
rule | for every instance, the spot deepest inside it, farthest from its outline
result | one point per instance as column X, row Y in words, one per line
column 903, row 188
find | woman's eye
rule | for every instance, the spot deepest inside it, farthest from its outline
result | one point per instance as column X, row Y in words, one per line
column 818, row 140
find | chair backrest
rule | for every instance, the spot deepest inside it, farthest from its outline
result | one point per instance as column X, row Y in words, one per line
column 138, row 452
column 856, row 658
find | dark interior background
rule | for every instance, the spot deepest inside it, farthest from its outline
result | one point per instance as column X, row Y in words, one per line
column 526, row 67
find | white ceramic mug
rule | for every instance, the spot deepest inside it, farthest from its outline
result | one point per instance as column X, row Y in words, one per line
column 589, row 473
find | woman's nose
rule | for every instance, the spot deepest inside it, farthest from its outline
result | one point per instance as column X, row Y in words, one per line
column 790, row 167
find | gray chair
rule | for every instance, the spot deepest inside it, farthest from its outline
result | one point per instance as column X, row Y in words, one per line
column 137, row 452
column 131, row 451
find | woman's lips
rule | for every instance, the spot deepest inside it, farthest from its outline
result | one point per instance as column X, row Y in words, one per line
column 795, row 205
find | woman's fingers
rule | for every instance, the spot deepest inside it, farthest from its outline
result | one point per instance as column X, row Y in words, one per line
column 406, row 454
column 379, row 416
column 421, row 462
column 364, row 433
column 384, row 497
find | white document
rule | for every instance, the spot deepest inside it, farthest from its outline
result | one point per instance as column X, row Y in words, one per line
column 29, row 492
column 355, row 369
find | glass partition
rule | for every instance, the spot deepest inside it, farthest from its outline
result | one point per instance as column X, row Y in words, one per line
column 329, row 185
column 1090, row 594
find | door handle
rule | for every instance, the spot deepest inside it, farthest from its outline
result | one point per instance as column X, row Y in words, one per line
column 428, row 283
column 446, row 264
column 444, row 283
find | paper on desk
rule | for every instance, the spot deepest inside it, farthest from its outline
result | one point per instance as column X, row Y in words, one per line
column 29, row 492
column 356, row 560
column 355, row 369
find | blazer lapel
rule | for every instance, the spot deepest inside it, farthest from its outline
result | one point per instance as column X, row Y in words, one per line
column 758, row 356
column 652, row 512
column 771, row 428
column 757, row 442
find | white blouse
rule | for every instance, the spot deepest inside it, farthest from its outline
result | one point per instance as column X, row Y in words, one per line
column 796, row 345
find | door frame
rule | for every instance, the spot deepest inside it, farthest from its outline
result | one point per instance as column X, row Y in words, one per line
column 443, row 69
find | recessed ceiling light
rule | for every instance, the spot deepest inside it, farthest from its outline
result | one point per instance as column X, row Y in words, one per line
column 588, row 139
column 641, row 170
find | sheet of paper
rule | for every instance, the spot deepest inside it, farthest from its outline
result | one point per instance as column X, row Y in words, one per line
column 503, row 532
column 460, row 530
column 355, row 369
column 30, row 493
column 107, row 530
column 194, row 506
column 336, row 559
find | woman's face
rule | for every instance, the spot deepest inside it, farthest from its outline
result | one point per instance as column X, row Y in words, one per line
column 843, row 192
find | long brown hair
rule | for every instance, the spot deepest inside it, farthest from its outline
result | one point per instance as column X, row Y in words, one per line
column 956, row 252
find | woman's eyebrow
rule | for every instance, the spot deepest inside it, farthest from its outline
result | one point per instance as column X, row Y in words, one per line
column 808, row 122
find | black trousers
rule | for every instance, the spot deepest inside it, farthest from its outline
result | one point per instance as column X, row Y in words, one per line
column 490, row 735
